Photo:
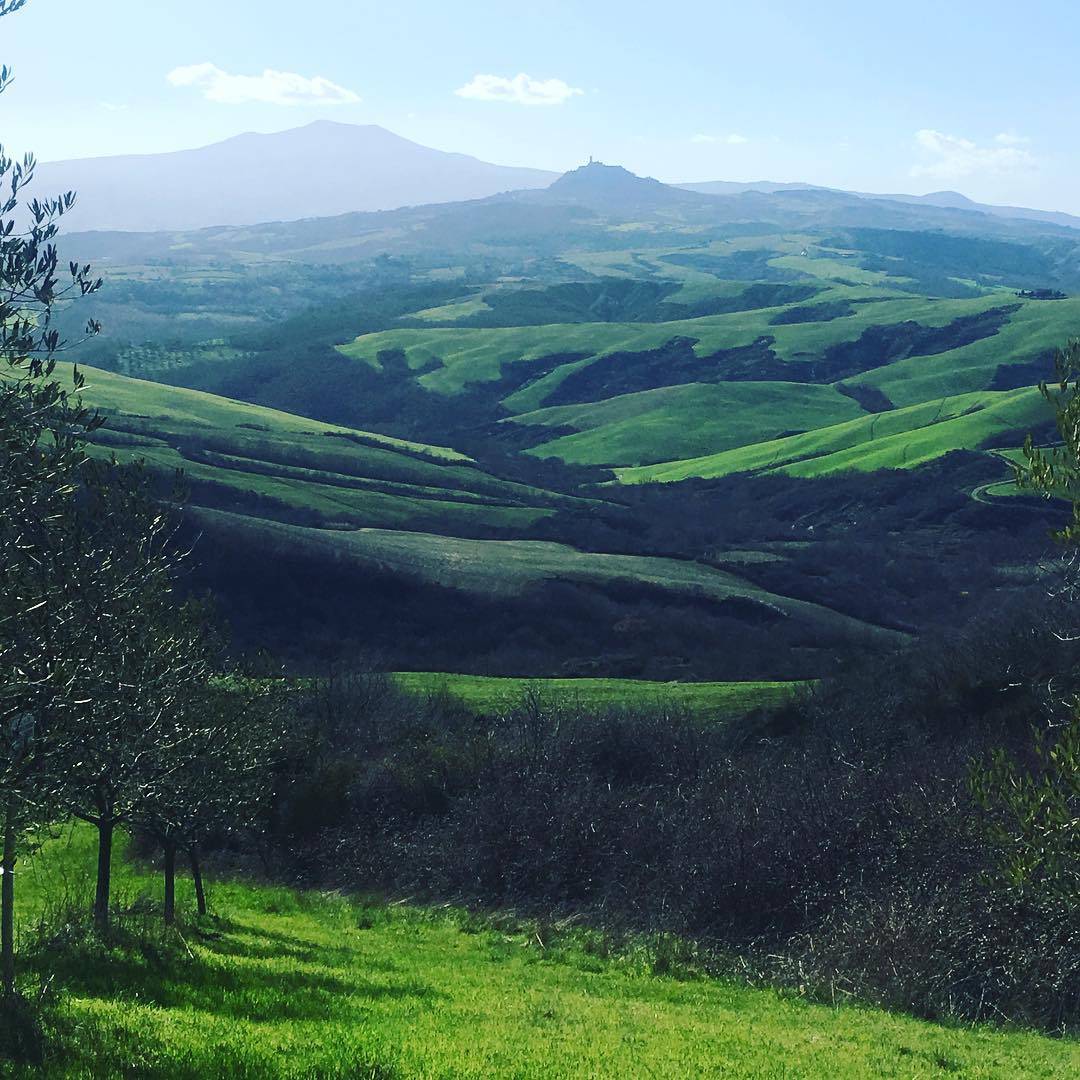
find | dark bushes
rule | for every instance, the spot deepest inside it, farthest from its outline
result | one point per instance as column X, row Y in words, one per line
column 836, row 843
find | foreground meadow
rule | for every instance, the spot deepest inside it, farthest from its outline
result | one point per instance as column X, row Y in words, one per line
column 284, row 983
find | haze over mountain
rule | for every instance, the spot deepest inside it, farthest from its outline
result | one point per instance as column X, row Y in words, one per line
column 319, row 170
column 326, row 169
column 946, row 200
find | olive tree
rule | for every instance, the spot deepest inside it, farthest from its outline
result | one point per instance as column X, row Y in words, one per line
column 42, row 424
column 1033, row 805
column 221, row 775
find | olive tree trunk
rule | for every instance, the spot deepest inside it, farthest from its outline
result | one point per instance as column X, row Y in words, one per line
column 105, row 827
column 196, row 876
column 170, row 882
column 7, row 901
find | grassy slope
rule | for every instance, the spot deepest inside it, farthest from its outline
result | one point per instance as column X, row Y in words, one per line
column 488, row 693
column 303, row 985
column 902, row 438
column 469, row 354
column 111, row 393
column 687, row 421
column 505, row 568
column 1035, row 329
column 303, row 464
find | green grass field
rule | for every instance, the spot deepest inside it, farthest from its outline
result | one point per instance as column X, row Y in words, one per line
column 118, row 394
column 702, row 430
column 469, row 354
column 491, row 694
column 687, row 421
column 900, row 439
column 1033, row 331
column 278, row 983
column 342, row 476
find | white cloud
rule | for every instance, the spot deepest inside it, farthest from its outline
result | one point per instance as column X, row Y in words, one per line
column 734, row 139
column 269, row 88
column 521, row 90
column 1010, row 138
column 950, row 157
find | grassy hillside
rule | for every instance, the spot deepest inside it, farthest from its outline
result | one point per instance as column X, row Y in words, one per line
column 276, row 464
column 428, row 537
column 488, row 694
column 765, row 339
column 685, row 421
column 630, row 394
column 448, row 359
column 901, row 439
column 119, row 396
column 279, row 983
column 1023, row 343
column 504, row 569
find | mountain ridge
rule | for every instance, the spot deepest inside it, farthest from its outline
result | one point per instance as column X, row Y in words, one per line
column 327, row 168
column 322, row 169
column 945, row 200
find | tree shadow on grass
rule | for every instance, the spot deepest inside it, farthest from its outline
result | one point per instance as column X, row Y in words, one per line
column 265, row 981
column 231, row 938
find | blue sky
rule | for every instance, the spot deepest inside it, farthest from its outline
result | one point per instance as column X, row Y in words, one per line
column 917, row 96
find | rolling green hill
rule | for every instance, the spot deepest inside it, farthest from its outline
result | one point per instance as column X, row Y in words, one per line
column 683, row 421
column 276, row 464
column 631, row 394
column 361, row 516
column 580, row 350
column 900, row 439
column 118, row 396
column 504, row 569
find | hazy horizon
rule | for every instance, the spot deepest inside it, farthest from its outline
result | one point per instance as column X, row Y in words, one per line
column 449, row 149
column 851, row 98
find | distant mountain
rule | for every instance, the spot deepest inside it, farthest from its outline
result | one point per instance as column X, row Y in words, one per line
column 945, row 200
column 328, row 169
column 955, row 201
column 587, row 209
column 320, row 170
column 734, row 187
column 615, row 188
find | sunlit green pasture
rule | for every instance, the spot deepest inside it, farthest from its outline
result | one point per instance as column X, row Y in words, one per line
column 687, row 421
column 458, row 356
column 1031, row 333
column 112, row 393
column 298, row 465
column 902, row 438
column 280, row 983
column 492, row 694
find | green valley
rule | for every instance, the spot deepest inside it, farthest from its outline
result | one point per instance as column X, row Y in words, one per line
column 459, row 620
column 483, row 417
